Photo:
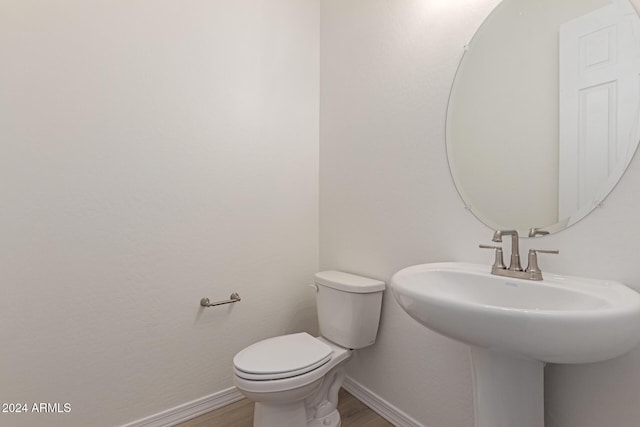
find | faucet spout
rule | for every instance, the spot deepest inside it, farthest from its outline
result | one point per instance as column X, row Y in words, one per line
column 515, row 264
column 534, row 231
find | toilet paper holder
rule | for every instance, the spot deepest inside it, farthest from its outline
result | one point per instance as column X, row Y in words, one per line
column 204, row 302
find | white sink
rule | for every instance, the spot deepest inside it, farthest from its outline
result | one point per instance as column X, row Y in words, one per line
column 514, row 325
column 561, row 319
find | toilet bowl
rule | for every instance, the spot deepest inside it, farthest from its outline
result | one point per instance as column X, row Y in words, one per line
column 290, row 398
column 294, row 379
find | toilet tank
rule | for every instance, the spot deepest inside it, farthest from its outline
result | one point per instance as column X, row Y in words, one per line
column 348, row 308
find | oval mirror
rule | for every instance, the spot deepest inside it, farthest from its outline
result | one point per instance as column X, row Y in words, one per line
column 543, row 114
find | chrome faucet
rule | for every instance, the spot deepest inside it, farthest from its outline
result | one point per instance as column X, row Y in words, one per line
column 498, row 268
column 514, row 265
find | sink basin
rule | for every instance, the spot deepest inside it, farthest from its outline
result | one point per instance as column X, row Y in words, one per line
column 561, row 319
column 514, row 326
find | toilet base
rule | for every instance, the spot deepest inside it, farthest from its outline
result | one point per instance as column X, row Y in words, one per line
column 317, row 409
column 293, row 415
column 331, row 420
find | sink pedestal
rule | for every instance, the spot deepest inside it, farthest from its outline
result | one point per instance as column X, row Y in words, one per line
column 508, row 389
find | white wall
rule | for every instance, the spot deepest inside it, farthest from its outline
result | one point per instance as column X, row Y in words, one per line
column 151, row 153
column 387, row 201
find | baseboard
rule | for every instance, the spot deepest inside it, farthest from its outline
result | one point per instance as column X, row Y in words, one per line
column 189, row 410
column 197, row 407
column 377, row 404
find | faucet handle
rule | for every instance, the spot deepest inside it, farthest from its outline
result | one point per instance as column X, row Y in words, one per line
column 489, row 247
column 498, row 263
column 533, row 269
column 545, row 251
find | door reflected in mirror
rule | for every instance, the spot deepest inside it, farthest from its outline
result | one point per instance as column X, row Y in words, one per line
column 543, row 116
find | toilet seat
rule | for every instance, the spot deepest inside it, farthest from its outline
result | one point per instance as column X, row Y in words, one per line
column 339, row 355
column 281, row 357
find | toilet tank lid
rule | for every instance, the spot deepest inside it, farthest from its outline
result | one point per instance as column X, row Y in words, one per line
column 348, row 282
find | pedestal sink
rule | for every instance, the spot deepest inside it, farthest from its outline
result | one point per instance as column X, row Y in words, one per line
column 513, row 326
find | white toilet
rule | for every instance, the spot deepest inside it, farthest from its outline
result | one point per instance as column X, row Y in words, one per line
column 294, row 379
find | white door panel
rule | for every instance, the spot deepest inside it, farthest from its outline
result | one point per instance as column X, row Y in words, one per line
column 599, row 107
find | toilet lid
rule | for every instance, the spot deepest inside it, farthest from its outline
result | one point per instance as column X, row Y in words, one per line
column 281, row 357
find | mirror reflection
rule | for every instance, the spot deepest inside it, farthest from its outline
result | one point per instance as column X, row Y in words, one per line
column 544, row 110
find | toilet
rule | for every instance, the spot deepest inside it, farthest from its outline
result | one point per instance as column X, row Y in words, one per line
column 294, row 379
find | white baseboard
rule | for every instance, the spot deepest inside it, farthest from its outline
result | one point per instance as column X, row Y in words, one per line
column 377, row 404
column 189, row 410
column 197, row 407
